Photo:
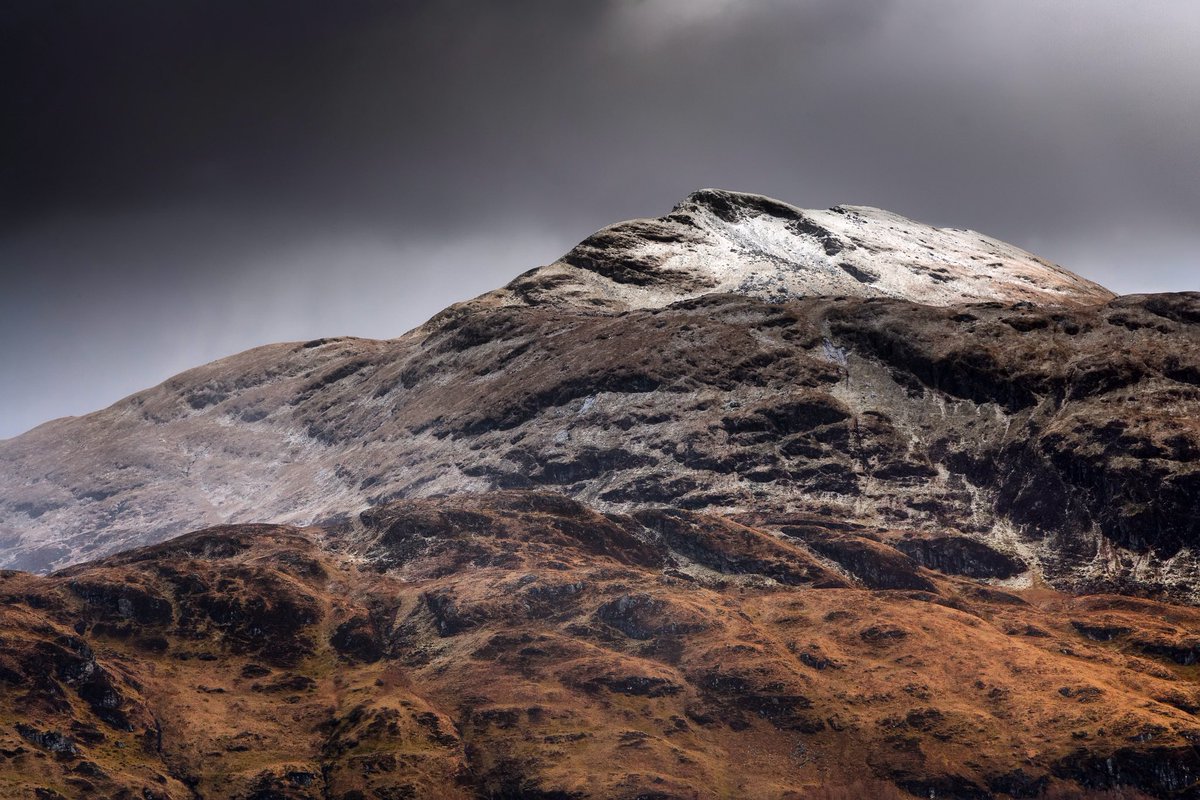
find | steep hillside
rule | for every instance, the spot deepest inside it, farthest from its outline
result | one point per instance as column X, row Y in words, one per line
column 1067, row 438
column 524, row 645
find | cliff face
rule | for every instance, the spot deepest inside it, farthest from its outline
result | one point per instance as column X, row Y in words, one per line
column 523, row 645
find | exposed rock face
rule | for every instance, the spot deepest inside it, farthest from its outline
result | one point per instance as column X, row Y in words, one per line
column 524, row 645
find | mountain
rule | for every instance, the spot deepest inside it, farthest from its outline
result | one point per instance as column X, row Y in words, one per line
column 744, row 501
column 998, row 422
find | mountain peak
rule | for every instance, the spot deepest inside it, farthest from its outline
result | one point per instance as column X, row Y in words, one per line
column 717, row 240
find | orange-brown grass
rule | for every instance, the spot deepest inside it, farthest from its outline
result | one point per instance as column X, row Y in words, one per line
column 524, row 646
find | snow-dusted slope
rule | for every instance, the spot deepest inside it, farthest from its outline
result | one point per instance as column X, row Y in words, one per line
column 721, row 241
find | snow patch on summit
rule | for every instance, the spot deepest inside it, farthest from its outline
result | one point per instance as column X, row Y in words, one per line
column 717, row 241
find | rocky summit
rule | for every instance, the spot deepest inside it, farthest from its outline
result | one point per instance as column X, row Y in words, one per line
column 743, row 501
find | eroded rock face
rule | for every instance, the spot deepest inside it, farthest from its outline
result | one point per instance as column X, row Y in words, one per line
column 525, row 644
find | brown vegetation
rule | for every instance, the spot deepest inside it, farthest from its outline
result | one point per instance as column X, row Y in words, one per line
column 521, row 644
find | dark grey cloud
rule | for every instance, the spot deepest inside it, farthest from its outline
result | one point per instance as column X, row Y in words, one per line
column 183, row 180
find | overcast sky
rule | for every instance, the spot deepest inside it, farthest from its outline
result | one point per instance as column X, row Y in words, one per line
column 182, row 180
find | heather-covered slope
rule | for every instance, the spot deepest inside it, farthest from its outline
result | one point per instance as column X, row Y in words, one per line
column 523, row 645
